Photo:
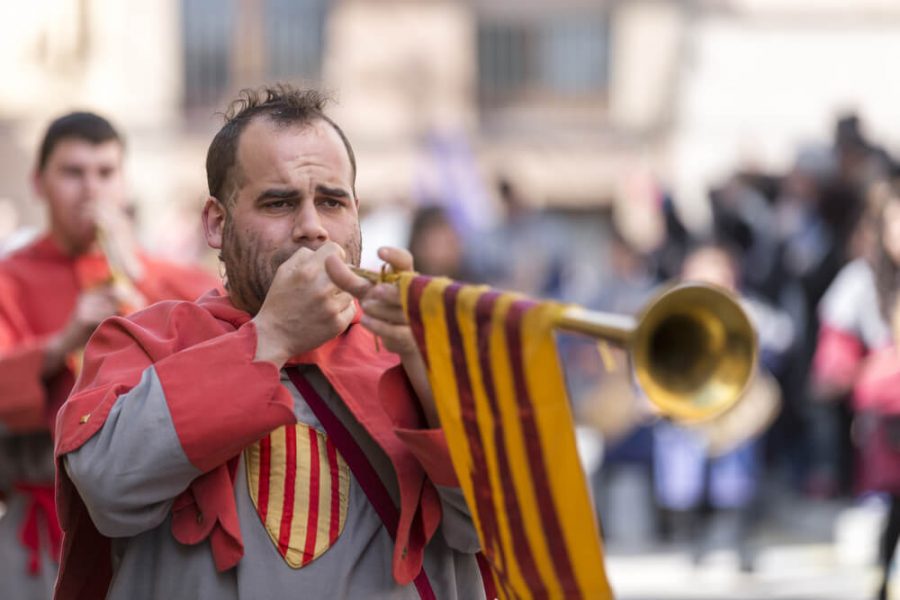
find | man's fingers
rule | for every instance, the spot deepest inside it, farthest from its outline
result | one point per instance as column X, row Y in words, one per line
column 397, row 338
column 386, row 292
column 348, row 313
column 341, row 275
column 391, row 313
column 330, row 249
column 399, row 258
column 304, row 256
column 299, row 257
column 311, row 262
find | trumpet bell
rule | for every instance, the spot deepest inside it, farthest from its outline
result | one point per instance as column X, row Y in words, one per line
column 693, row 351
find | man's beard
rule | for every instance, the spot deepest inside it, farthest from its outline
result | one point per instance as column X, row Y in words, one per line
column 248, row 275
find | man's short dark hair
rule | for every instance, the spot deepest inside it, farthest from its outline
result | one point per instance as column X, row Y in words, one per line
column 85, row 126
column 284, row 105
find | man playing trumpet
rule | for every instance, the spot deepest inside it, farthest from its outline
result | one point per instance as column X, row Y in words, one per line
column 259, row 445
column 53, row 294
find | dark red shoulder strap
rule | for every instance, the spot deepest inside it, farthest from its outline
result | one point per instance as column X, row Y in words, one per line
column 362, row 469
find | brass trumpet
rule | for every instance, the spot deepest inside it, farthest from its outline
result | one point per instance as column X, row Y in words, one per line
column 692, row 348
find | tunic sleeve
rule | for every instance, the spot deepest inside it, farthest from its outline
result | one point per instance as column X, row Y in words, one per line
column 23, row 395
column 220, row 399
column 129, row 472
column 429, row 446
column 190, row 412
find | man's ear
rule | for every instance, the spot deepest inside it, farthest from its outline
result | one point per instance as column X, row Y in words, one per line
column 214, row 214
column 37, row 184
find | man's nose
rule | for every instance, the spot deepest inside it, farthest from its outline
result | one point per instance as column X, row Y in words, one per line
column 92, row 186
column 308, row 225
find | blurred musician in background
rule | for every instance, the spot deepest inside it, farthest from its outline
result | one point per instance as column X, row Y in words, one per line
column 53, row 293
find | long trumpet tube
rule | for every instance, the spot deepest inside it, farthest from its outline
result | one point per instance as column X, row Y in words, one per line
column 692, row 348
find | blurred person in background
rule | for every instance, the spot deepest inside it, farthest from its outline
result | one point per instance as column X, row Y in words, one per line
column 860, row 161
column 877, row 392
column 743, row 214
column 851, row 325
column 842, row 177
column 796, row 233
column 436, row 246
column 877, row 432
column 606, row 405
column 527, row 252
column 809, row 257
column 53, row 293
column 716, row 466
column 630, row 279
column 601, row 389
column 666, row 259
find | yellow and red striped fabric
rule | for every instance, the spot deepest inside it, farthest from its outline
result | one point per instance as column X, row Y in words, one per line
column 503, row 405
column 300, row 487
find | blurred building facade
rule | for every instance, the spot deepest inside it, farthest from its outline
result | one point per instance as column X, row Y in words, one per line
column 582, row 103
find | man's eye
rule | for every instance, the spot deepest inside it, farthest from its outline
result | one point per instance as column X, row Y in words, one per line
column 278, row 204
column 331, row 202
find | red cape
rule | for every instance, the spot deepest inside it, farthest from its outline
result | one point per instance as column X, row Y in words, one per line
column 39, row 287
column 212, row 340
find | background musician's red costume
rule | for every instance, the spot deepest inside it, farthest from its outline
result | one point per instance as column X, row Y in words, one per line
column 53, row 294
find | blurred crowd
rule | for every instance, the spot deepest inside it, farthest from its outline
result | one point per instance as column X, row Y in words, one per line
column 814, row 255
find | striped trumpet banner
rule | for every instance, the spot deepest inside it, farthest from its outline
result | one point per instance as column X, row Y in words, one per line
column 503, row 405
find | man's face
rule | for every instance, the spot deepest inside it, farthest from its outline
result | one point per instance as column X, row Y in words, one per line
column 293, row 190
column 439, row 251
column 891, row 230
column 78, row 179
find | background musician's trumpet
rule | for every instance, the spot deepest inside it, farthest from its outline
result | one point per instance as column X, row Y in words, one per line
column 115, row 241
column 692, row 348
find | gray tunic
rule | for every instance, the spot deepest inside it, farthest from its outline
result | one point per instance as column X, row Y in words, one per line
column 129, row 473
column 23, row 458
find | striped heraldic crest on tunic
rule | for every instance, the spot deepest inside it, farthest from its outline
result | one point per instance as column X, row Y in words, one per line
column 300, row 487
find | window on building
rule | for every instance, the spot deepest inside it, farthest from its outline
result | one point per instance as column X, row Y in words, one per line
column 232, row 43
column 208, row 27
column 294, row 38
column 542, row 58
